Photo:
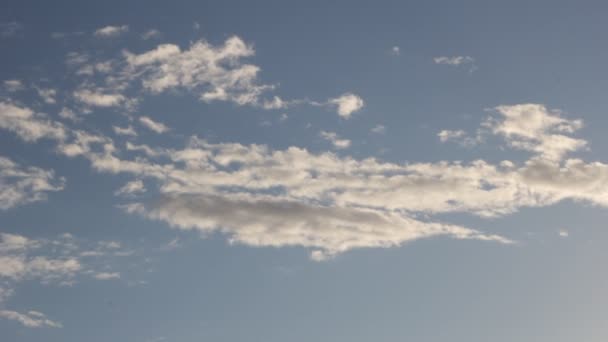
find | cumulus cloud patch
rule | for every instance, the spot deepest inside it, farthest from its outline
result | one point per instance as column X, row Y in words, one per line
column 347, row 104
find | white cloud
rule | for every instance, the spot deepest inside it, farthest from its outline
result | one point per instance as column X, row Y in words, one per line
column 128, row 131
column 332, row 204
column 151, row 34
column 111, row 31
column 47, row 261
column 277, row 223
column 533, row 127
column 347, row 104
column 68, row 114
column 98, row 99
column 335, row 140
column 21, row 185
column 455, row 60
column 47, row 94
column 131, row 188
column 216, row 72
column 106, row 275
column 365, row 202
column 447, row 135
column 31, row 319
column 152, row 125
column 395, row 50
column 13, row 85
column 28, row 125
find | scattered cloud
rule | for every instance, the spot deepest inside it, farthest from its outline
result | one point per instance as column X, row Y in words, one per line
column 335, row 140
column 152, row 125
column 131, row 188
column 98, row 99
column 68, row 114
column 22, row 185
column 28, row 125
column 460, row 137
column 106, row 275
column 347, row 104
column 47, row 94
column 455, row 60
column 111, row 31
column 532, row 127
column 215, row 71
column 13, row 85
column 128, row 131
column 151, row 34
column 447, row 135
column 31, row 319
column 56, row 261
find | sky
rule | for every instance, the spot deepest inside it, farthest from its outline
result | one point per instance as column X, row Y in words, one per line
column 303, row 171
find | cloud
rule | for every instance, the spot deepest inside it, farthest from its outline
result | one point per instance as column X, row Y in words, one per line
column 28, row 125
column 460, row 137
column 98, row 99
column 447, row 135
column 347, row 104
column 268, row 222
column 533, row 127
column 215, row 71
column 13, row 85
column 335, row 140
column 106, row 275
column 111, row 31
column 56, row 261
column 128, row 131
column 454, row 61
column 131, row 188
column 152, row 125
column 151, row 34
column 22, row 185
column 297, row 187
column 68, row 114
column 47, row 94
column 395, row 51
column 31, row 319
column 265, row 197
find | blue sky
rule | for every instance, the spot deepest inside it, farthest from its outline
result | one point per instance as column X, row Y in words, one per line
column 274, row 171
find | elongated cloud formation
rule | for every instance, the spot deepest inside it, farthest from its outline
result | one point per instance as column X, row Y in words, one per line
column 332, row 204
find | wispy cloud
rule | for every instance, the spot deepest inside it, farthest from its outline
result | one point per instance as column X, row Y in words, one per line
column 111, row 31
column 335, row 140
column 152, row 125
